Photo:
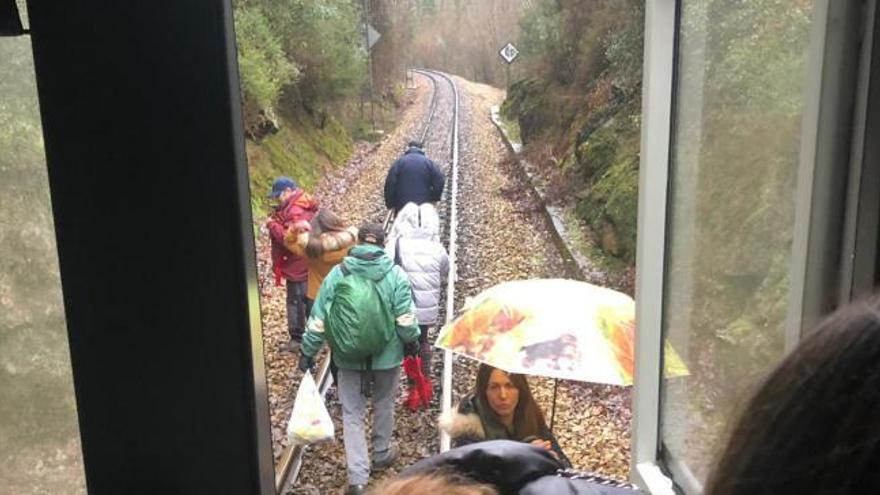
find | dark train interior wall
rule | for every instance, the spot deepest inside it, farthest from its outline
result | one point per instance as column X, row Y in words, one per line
column 143, row 139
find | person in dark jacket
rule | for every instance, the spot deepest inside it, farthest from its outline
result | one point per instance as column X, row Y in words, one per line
column 294, row 205
column 413, row 178
column 498, row 466
column 501, row 407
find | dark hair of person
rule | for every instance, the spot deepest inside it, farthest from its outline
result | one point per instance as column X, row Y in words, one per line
column 324, row 221
column 527, row 417
column 442, row 482
column 415, row 144
column 814, row 424
column 372, row 233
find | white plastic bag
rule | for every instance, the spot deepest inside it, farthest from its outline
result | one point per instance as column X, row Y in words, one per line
column 309, row 421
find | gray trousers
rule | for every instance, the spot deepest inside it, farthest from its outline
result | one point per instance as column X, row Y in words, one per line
column 354, row 412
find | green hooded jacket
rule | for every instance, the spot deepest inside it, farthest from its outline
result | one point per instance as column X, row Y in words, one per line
column 371, row 262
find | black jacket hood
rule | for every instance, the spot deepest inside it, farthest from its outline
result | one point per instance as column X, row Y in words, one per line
column 512, row 468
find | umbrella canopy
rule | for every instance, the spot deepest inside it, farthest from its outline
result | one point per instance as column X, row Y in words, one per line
column 552, row 327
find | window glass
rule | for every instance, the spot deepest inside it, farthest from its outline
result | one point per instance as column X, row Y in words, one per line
column 736, row 139
column 39, row 435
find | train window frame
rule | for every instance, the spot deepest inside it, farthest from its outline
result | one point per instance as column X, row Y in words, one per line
column 58, row 34
column 859, row 264
column 168, row 372
column 835, row 230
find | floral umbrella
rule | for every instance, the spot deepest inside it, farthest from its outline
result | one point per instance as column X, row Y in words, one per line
column 556, row 328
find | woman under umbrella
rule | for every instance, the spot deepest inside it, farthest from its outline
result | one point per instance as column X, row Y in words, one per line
column 501, row 408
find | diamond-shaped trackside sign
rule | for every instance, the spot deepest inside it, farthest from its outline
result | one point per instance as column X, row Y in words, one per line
column 372, row 36
column 509, row 53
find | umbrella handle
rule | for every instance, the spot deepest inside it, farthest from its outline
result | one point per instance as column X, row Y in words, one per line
column 553, row 410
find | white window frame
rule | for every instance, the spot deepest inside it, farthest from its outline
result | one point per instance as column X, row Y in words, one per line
column 832, row 199
column 657, row 87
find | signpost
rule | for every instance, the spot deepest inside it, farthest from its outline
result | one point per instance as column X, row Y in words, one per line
column 371, row 36
column 509, row 54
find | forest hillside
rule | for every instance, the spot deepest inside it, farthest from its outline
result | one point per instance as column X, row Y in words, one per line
column 578, row 106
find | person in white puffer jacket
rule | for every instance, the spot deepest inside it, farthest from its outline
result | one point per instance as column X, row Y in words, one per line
column 414, row 244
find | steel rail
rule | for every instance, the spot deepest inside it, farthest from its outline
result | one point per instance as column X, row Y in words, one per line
column 446, row 397
column 432, row 108
column 290, row 463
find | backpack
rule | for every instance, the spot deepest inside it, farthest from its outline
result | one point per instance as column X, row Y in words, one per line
column 359, row 323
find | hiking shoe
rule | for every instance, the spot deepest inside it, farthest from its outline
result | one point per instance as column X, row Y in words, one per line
column 389, row 459
column 356, row 489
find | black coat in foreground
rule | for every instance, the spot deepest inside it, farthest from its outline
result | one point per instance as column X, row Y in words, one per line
column 413, row 178
column 514, row 468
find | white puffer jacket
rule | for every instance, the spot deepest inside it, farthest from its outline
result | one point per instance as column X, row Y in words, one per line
column 415, row 245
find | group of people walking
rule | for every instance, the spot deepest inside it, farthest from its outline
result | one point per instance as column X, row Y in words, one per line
column 374, row 297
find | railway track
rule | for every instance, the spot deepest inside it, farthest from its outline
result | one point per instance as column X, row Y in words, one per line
column 494, row 231
column 290, row 464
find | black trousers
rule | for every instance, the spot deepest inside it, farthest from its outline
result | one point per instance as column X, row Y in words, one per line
column 296, row 309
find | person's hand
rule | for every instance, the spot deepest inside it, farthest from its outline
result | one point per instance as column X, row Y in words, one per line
column 306, row 362
column 542, row 444
column 301, row 226
column 411, row 349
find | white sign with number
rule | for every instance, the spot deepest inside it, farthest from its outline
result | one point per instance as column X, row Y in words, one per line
column 509, row 53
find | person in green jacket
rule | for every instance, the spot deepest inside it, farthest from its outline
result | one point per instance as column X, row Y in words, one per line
column 368, row 260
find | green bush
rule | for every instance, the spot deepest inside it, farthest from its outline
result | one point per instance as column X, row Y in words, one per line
column 325, row 39
column 532, row 105
column 582, row 98
column 263, row 65
column 300, row 150
column 297, row 59
column 608, row 164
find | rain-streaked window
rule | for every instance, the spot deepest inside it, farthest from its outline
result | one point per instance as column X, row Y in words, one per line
column 736, row 138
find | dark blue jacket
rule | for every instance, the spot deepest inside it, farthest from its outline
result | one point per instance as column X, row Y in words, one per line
column 413, row 178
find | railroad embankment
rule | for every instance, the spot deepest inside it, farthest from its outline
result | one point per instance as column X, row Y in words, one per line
column 299, row 147
column 585, row 165
column 577, row 113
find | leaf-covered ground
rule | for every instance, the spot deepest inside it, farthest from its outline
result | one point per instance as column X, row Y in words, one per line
column 504, row 237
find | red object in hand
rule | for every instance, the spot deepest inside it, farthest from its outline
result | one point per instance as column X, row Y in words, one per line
column 420, row 388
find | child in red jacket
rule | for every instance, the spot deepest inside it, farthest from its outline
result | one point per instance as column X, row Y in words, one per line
column 294, row 205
